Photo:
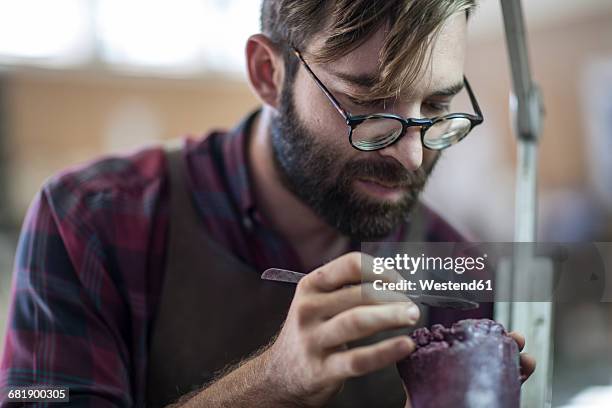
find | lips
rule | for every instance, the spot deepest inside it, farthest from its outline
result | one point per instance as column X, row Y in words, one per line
column 380, row 190
column 391, row 186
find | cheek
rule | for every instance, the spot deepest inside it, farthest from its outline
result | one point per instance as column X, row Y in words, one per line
column 318, row 114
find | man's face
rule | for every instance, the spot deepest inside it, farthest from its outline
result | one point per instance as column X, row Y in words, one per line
column 365, row 195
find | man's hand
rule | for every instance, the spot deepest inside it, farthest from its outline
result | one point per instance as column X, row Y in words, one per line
column 309, row 361
column 527, row 362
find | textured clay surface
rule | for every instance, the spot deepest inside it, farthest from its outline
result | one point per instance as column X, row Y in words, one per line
column 473, row 364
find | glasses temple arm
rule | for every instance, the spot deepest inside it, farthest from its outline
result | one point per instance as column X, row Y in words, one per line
column 472, row 98
column 327, row 93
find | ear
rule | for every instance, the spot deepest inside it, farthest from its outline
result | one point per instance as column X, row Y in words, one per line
column 265, row 68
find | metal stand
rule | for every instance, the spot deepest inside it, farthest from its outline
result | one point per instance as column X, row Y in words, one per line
column 526, row 276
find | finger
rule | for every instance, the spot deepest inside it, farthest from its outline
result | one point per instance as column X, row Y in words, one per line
column 520, row 340
column 342, row 271
column 333, row 303
column 362, row 360
column 528, row 365
column 345, row 270
column 363, row 321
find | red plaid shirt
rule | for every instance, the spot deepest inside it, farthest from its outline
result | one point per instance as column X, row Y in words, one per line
column 90, row 263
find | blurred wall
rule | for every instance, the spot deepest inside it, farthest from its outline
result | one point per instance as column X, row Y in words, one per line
column 477, row 176
column 56, row 119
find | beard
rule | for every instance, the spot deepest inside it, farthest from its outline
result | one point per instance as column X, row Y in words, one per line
column 311, row 169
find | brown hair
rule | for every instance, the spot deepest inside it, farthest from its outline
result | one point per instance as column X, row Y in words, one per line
column 412, row 27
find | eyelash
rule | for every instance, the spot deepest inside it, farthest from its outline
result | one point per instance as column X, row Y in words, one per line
column 367, row 103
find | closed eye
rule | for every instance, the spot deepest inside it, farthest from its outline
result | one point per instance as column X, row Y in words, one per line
column 367, row 103
column 436, row 108
column 429, row 108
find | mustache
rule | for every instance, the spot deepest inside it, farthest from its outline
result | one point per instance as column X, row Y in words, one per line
column 385, row 172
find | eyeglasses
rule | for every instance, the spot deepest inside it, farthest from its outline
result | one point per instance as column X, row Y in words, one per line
column 380, row 130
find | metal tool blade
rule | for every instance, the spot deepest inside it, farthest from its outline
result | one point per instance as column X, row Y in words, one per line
column 448, row 302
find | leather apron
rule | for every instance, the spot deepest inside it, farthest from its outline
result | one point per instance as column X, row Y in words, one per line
column 215, row 310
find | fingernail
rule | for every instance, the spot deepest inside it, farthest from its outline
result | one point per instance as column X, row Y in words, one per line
column 413, row 311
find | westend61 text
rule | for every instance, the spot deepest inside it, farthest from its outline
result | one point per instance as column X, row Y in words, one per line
column 432, row 285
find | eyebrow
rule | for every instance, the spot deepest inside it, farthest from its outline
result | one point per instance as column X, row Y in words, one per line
column 369, row 80
column 363, row 80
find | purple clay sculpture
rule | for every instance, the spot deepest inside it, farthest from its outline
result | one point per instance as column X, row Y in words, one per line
column 473, row 364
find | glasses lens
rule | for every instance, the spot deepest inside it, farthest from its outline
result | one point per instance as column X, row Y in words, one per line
column 446, row 132
column 376, row 133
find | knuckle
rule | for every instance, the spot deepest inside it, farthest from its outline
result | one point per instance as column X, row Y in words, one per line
column 318, row 373
column 351, row 260
column 354, row 260
column 318, row 378
column 306, row 342
column 304, row 309
column 356, row 366
column 310, row 281
column 302, row 285
column 353, row 321
column 318, row 275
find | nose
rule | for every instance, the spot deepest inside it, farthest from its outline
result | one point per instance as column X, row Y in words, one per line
column 408, row 150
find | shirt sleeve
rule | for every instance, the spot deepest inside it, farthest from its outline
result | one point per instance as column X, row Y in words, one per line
column 62, row 329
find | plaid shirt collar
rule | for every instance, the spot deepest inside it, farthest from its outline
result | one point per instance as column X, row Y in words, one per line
column 236, row 155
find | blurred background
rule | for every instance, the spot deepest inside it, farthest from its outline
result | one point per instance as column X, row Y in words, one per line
column 83, row 78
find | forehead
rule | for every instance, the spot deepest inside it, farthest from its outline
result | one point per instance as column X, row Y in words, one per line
column 446, row 56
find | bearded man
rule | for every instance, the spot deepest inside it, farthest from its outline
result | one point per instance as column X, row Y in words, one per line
column 137, row 277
